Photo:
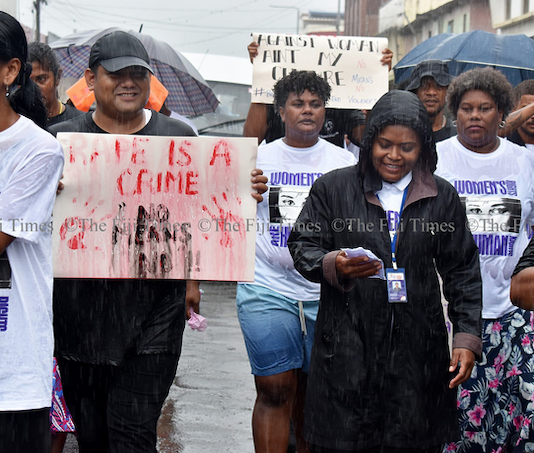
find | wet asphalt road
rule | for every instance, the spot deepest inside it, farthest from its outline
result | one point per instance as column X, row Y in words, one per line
column 209, row 406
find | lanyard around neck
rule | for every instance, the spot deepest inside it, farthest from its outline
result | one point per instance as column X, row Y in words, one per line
column 394, row 240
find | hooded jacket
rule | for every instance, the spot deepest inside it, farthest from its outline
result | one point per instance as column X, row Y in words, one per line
column 379, row 371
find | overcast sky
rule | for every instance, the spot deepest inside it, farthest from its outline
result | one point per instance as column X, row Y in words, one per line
column 214, row 26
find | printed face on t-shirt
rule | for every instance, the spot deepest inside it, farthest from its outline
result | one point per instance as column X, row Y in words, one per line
column 285, row 203
column 493, row 215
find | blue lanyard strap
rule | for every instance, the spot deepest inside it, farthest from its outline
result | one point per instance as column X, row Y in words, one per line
column 394, row 240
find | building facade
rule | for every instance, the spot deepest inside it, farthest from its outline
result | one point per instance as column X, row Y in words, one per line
column 361, row 17
column 407, row 23
column 512, row 17
column 322, row 23
column 11, row 7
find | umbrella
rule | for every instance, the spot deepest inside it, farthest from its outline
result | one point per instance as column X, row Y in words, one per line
column 513, row 55
column 189, row 93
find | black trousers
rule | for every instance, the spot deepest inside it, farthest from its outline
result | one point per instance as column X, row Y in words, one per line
column 25, row 431
column 116, row 408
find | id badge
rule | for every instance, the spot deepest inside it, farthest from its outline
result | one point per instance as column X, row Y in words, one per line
column 396, row 282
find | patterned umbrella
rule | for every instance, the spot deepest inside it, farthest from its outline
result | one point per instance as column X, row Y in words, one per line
column 189, row 93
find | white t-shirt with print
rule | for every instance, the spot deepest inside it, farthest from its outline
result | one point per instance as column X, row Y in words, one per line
column 31, row 163
column 498, row 192
column 291, row 172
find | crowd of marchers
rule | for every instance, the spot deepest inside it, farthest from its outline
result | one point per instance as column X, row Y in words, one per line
column 346, row 329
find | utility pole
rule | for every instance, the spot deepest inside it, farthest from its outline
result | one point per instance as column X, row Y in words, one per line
column 37, row 8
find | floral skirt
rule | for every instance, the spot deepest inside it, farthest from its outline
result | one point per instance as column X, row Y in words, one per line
column 496, row 405
column 60, row 418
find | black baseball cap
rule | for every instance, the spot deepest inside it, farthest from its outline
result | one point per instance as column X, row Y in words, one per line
column 436, row 69
column 119, row 50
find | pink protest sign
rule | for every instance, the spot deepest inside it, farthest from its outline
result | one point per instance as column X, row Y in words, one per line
column 156, row 207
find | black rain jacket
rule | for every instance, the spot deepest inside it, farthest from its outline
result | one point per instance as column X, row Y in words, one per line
column 379, row 371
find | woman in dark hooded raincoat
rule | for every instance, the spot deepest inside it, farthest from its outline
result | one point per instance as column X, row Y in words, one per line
column 381, row 376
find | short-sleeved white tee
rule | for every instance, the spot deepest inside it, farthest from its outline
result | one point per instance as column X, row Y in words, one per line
column 31, row 163
column 498, row 192
column 291, row 172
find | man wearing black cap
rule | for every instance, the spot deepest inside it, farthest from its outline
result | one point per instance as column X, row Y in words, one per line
column 118, row 341
column 429, row 81
column 119, row 74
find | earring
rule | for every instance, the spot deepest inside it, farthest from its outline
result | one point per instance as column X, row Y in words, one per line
column 502, row 124
column 7, row 91
column 454, row 123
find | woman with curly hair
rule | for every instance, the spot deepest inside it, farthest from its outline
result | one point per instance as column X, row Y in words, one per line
column 277, row 311
column 495, row 404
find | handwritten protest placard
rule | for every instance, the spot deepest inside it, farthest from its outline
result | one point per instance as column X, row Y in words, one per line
column 156, row 207
column 351, row 65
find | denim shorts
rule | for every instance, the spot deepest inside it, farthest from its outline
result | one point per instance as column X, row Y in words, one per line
column 276, row 339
